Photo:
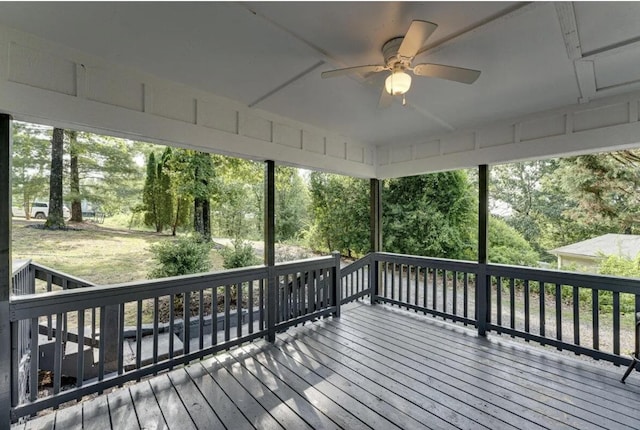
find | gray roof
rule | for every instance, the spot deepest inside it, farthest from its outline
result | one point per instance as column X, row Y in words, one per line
column 627, row 245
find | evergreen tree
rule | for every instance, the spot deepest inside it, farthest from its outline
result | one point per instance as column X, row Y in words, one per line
column 164, row 198
column 429, row 215
column 149, row 201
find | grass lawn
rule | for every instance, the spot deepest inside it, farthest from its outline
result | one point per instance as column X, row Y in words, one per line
column 89, row 251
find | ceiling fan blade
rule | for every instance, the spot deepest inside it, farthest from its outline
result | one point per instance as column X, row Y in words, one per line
column 356, row 69
column 451, row 73
column 386, row 99
column 418, row 33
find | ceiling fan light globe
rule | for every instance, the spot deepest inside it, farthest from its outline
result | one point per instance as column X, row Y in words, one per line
column 397, row 83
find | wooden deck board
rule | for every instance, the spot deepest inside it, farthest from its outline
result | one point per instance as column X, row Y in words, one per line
column 147, row 408
column 121, row 410
column 197, row 406
column 375, row 367
column 609, row 397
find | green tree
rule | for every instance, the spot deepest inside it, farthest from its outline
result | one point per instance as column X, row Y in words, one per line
column 508, row 246
column 340, row 209
column 55, row 219
column 30, row 163
column 149, row 197
column 163, row 192
column 291, row 206
column 429, row 215
column 604, row 189
column 74, row 177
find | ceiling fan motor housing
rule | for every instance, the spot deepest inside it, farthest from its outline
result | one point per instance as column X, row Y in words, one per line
column 390, row 51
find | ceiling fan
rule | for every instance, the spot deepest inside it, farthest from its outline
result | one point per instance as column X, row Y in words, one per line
column 398, row 54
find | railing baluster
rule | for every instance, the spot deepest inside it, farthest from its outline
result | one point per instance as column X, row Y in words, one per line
column 227, row 312
column 101, row 350
column 35, row 358
column 559, row 313
column 250, row 305
column 80, row 356
column 444, row 290
column 201, row 318
column 542, row 309
column 465, row 295
column 595, row 312
column 172, row 299
column 138, row 336
column 156, row 306
column 57, row 355
column 239, row 310
column 261, row 294
column 214, row 315
column 434, row 290
column 416, row 287
column 49, row 321
column 309, row 286
column 121, row 340
column 393, row 281
column 499, row 300
column 616, row 323
column 401, row 281
column 425, row 282
column 512, row 304
column 454, row 304
column 576, row 316
column 186, row 323
column 526, row 306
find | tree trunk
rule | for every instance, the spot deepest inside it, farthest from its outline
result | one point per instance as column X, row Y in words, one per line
column 55, row 219
column 198, row 216
column 74, row 183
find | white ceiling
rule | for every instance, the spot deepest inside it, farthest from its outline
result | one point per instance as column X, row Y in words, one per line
column 270, row 55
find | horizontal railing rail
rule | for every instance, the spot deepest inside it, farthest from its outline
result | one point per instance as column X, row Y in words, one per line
column 142, row 328
column 434, row 286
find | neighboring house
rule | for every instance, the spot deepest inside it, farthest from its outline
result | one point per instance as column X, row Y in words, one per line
column 589, row 253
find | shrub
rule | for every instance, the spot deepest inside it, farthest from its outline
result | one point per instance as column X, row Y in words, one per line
column 182, row 256
column 240, row 254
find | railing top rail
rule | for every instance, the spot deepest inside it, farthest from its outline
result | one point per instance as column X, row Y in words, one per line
column 601, row 282
column 440, row 263
column 41, row 272
column 19, row 265
column 34, row 305
column 310, row 263
column 356, row 265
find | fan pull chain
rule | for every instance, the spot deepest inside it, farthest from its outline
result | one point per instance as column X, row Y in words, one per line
column 404, row 100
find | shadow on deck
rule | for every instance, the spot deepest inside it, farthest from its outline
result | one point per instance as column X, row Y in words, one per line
column 375, row 367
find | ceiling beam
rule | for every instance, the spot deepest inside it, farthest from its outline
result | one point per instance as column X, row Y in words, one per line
column 584, row 69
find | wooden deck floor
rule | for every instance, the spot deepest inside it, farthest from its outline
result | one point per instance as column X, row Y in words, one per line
column 375, row 367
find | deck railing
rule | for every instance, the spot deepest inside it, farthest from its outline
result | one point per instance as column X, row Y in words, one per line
column 160, row 324
column 164, row 323
column 587, row 314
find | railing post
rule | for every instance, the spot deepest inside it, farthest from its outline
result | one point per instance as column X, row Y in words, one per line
column 482, row 282
column 5, row 271
column 336, row 285
column 374, row 277
column 272, row 291
column 269, row 246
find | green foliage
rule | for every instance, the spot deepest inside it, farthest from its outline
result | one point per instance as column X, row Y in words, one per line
column 181, row 256
column 149, row 198
column 240, row 254
column 30, row 164
column 340, row 208
column 508, row 246
column 429, row 215
column 617, row 265
column 238, row 198
column 291, row 206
